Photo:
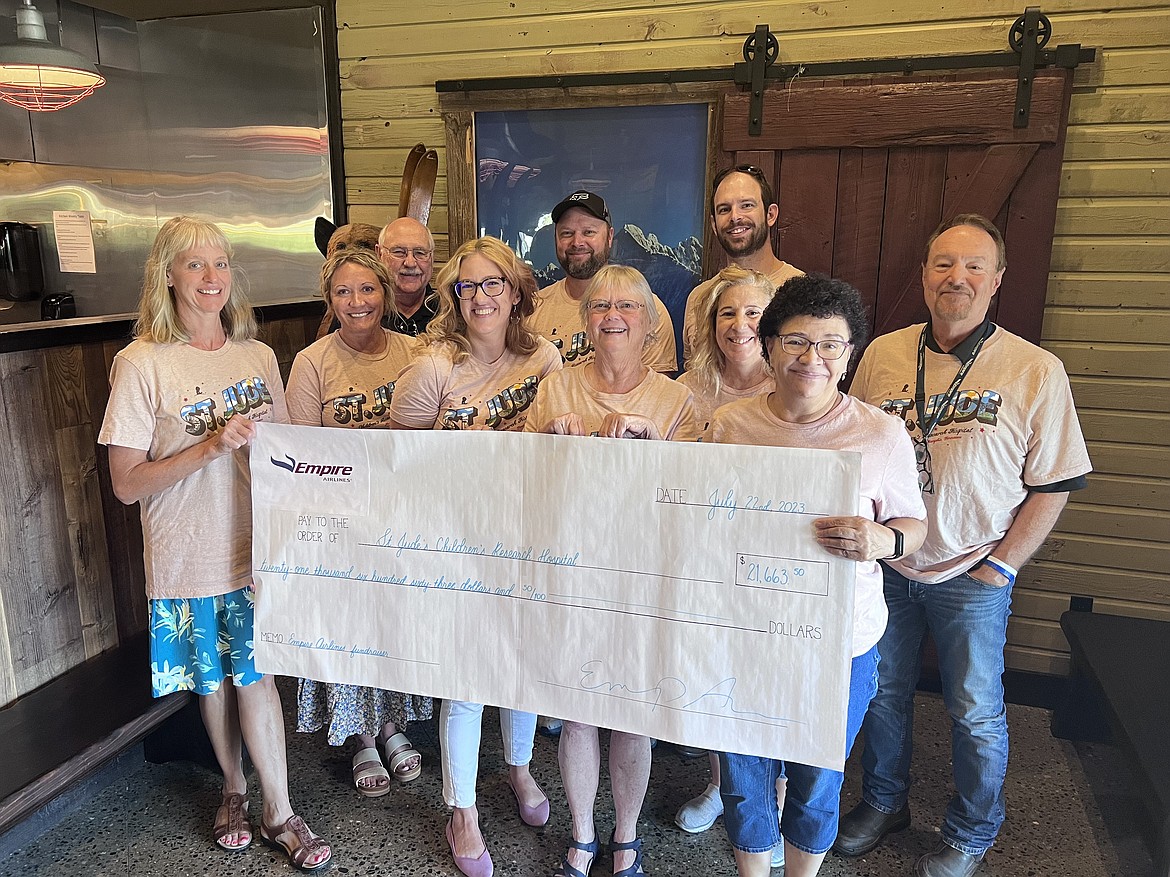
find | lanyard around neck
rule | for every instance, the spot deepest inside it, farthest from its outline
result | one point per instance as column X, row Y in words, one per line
column 953, row 392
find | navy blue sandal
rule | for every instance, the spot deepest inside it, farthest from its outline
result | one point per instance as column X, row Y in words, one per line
column 634, row 870
column 567, row 870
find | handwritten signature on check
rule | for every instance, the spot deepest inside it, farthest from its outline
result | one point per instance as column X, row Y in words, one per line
column 669, row 691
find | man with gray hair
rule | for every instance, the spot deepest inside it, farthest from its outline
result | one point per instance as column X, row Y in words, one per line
column 999, row 449
column 407, row 248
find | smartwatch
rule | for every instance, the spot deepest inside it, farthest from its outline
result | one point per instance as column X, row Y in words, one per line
column 899, row 550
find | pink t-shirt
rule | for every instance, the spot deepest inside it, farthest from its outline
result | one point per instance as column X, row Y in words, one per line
column 667, row 403
column 889, row 478
column 433, row 392
column 331, row 384
column 164, row 398
column 1013, row 425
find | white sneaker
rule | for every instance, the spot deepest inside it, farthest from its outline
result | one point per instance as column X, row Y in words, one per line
column 700, row 813
column 547, row 726
column 778, row 856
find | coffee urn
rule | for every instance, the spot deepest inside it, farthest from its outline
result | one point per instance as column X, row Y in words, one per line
column 21, row 276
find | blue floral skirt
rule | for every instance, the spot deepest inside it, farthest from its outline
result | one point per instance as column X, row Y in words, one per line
column 196, row 644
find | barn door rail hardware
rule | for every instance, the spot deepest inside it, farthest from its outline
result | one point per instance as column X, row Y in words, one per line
column 1027, row 38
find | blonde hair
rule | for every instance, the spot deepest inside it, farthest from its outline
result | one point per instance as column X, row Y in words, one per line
column 623, row 278
column 707, row 360
column 158, row 317
column 364, row 259
column 448, row 325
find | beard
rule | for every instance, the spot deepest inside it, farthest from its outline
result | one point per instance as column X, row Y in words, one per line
column 584, row 269
column 746, row 246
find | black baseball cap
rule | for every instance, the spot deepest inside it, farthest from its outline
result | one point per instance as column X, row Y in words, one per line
column 590, row 202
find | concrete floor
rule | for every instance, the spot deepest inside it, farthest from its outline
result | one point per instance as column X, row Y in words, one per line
column 1069, row 814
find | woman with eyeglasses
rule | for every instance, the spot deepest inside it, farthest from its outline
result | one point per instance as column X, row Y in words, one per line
column 727, row 364
column 809, row 332
column 480, row 370
column 614, row 396
column 346, row 380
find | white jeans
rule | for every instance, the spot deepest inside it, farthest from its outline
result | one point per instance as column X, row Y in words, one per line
column 459, row 731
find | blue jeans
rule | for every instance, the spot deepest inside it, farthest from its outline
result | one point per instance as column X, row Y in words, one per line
column 968, row 620
column 812, row 801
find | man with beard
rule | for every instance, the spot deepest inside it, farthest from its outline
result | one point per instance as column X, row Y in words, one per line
column 584, row 236
column 743, row 213
column 407, row 249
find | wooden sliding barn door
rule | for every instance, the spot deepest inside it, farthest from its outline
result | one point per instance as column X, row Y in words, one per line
column 865, row 170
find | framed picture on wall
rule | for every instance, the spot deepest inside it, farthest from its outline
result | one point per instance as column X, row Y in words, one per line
column 648, row 161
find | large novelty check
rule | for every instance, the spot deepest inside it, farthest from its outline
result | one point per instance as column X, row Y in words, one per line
column 662, row 588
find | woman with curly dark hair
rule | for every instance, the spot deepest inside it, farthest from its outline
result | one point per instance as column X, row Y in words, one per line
column 810, row 331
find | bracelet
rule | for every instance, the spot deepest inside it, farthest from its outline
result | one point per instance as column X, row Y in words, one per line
column 1008, row 572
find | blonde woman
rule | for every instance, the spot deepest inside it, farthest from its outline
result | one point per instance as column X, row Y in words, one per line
column 728, row 363
column 615, row 396
column 481, row 368
column 346, row 380
column 184, row 400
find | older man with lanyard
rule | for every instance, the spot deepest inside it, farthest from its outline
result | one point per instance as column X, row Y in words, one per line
column 999, row 449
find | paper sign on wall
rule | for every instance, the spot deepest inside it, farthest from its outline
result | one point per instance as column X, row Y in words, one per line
column 74, row 235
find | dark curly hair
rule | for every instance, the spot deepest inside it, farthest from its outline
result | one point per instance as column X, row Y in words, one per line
column 816, row 295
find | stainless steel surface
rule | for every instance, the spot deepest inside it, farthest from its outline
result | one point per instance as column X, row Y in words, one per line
column 226, row 120
column 15, row 134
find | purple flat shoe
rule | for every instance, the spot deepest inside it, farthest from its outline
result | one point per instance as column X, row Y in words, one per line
column 481, row 866
column 535, row 816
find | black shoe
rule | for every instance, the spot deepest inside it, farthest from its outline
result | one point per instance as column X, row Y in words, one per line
column 863, row 827
column 946, row 861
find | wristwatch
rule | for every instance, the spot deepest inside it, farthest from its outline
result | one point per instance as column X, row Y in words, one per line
column 898, row 543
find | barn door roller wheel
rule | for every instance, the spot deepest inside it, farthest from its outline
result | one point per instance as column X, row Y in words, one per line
column 1040, row 34
column 771, row 46
column 1028, row 35
column 760, row 51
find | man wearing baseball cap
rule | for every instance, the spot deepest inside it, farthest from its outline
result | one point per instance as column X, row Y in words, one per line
column 584, row 236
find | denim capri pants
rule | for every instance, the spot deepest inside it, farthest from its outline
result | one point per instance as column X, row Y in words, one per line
column 812, row 802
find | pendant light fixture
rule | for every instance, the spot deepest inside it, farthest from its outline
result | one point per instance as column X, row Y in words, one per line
column 41, row 76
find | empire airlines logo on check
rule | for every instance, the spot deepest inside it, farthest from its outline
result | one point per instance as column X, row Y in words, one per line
column 324, row 471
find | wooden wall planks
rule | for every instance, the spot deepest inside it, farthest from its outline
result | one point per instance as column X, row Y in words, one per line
column 72, row 583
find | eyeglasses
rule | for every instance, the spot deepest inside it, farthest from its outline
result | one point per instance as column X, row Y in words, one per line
column 601, row 308
column 796, row 345
column 420, row 253
column 491, row 286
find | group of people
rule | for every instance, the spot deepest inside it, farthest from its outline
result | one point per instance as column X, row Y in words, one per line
column 958, row 489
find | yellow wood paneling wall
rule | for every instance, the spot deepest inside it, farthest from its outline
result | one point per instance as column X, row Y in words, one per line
column 1108, row 310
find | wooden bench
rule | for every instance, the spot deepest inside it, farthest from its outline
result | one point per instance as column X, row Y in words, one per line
column 1119, row 692
column 69, row 727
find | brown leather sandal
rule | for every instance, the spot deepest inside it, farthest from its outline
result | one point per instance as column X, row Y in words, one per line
column 236, row 823
column 296, row 841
